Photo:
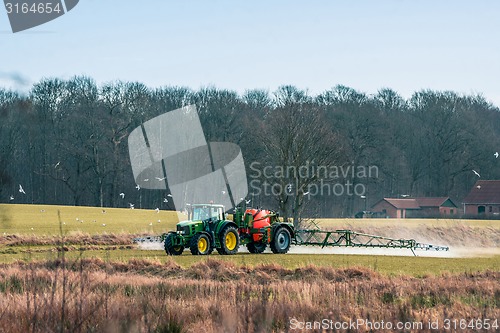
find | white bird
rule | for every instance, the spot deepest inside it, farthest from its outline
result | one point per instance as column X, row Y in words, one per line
column 21, row 190
column 169, row 195
column 77, row 219
column 104, row 211
column 42, row 210
column 104, row 224
column 157, row 210
column 475, row 172
column 131, row 205
column 248, row 201
column 159, row 221
column 306, row 193
column 137, row 187
column 165, row 200
column 160, row 179
column 496, row 155
column 404, row 195
column 11, row 198
column 289, row 188
column 223, row 192
column 122, row 195
column 146, row 180
column 478, row 187
column 151, row 223
column 57, row 164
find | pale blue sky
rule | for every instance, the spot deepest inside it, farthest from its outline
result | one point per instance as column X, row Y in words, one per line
column 315, row 45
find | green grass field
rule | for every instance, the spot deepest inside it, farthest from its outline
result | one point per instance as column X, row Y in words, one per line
column 42, row 221
column 390, row 265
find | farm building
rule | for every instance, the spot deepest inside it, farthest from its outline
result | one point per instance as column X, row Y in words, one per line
column 415, row 207
column 483, row 199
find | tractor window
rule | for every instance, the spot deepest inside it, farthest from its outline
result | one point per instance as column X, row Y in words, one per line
column 217, row 213
column 205, row 212
column 201, row 213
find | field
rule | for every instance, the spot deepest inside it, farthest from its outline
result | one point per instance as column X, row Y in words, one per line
column 82, row 274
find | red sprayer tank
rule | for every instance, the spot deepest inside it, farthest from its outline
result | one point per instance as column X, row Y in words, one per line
column 261, row 217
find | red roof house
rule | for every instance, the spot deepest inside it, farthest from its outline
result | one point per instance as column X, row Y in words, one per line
column 415, row 207
column 483, row 199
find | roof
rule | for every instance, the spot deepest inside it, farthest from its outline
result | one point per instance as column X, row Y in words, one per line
column 403, row 203
column 484, row 192
column 433, row 202
column 418, row 203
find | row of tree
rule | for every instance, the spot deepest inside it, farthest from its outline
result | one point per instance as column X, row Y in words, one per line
column 66, row 143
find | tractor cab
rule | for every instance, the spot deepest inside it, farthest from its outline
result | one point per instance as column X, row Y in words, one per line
column 201, row 212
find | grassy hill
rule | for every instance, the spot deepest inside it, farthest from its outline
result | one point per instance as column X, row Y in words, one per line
column 43, row 220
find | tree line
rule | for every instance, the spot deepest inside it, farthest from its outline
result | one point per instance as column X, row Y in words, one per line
column 65, row 142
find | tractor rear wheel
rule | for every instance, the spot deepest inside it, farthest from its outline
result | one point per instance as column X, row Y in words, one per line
column 200, row 245
column 256, row 247
column 229, row 241
column 170, row 249
column 281, row 241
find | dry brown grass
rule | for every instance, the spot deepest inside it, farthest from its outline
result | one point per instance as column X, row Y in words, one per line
column 71, row 239
column 93, row 295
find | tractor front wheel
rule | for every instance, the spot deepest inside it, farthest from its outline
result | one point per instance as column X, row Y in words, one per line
column 200, row 245
column 229, row 241
column 256, row 247
column 281, row 241
column 170, row 249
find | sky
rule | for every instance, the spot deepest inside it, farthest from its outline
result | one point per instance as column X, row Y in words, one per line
column 315, row 45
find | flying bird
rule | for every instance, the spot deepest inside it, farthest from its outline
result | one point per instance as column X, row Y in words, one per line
column 122, row 195
column 146, row 180
column 57, row 164
column 131, row 205
column 248, row 201
column 477, row 174
column 137, row 187
column 21, row 190
column 223, row 192
column 165, row 200
column 496, row 155
column 11, row 198
column 169, row 195
column 478, row 187
column 160, row 179
column 306, row 193
column 157, row 210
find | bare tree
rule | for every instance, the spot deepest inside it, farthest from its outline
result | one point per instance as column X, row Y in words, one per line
column 296, row 138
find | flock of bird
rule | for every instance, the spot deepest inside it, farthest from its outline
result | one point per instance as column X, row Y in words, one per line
column 165, row 200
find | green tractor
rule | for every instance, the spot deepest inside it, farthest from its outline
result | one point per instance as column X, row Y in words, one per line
column 205, row 230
